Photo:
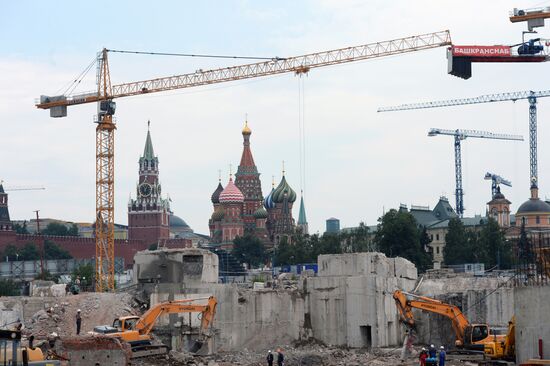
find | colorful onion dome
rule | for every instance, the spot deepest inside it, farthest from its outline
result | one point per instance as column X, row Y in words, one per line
column 260, row 213
column 246, row 129
column 216, row 195
column 268, row 201
column 231, row 194
column 218, row 214
column 283, row 189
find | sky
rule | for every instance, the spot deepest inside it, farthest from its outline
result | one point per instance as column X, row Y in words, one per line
column 357, row 162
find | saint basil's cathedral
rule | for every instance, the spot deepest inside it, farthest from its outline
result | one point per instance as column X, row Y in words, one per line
column 240, row 209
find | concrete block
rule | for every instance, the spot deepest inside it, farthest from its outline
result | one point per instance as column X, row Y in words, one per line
column 532, row 306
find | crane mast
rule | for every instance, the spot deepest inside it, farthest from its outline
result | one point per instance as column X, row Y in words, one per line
column 460, row 135
column 531, row 97
column 106, row 93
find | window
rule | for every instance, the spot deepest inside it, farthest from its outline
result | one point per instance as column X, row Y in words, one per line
column 437, row 250
column 538, row 219
column 437, row 237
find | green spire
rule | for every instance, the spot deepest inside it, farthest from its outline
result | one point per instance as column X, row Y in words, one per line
column 148, row 153
column 302, row 216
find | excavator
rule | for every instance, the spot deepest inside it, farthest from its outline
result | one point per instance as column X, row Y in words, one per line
column 468, row 336
column 500, row 352
column 136, row 331
column 13, row 353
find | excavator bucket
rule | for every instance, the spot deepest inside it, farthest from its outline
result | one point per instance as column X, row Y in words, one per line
column 196, row 346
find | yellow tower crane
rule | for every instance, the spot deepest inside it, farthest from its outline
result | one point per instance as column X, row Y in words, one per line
column 106, row 93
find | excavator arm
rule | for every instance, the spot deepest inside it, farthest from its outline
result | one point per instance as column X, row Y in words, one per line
column 146, row 323
column 405, row 302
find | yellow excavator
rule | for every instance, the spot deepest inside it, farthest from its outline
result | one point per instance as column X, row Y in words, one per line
column 13, row 353
column 136, row 330
column 468, row 336
column 499, row 352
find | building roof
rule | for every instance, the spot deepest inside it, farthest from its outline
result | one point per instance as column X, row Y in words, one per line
column 534, row 205
column 216, row 195
column 302, row 220
column 247, row 165
column 260, row 213
column 176, row 221
column 231, row 194
column 2, row 188
column 148, row 152
column 268, row 201
column 441, row 212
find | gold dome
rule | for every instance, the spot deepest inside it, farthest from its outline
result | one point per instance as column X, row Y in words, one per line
column 246, row 129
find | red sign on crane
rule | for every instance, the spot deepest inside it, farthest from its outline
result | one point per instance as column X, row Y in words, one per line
column 483, row 51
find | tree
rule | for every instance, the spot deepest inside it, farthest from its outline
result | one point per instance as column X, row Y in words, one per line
column 495, row 249
column 29, row 252
column 21, row 229
column 458, row 244
column 86, row 273
column 357, row 240
column 11, row 252
column 59, row 229
column 53, row 251
column 249, row 249
column 398, row 235
column 9, row 288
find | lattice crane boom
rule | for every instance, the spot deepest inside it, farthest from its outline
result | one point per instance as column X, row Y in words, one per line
column 462, row 135
column 106, row 93
column 496, row 181
column 530, row 95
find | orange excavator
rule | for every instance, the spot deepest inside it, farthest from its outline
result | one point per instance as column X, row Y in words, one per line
column 468, row 336
column 136, row 330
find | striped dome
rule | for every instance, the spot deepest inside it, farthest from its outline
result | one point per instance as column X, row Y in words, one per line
column 268, row 201
column 231, row 194
column 283, row 189
column 260, row 213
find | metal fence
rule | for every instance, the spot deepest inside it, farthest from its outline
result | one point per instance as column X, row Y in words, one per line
column 532, row 259
column 28, row 270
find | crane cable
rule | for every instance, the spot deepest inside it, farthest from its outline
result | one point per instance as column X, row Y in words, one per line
column 72, row 85
column 301, row 133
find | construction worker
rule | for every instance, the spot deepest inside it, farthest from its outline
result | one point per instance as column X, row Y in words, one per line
column 269, row 358
column 280, row 357
column 423, row 356
column 442, row 356
column 78, row 321
column 432, row 351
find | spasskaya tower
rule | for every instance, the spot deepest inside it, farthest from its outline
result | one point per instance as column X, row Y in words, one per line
column 148, row 214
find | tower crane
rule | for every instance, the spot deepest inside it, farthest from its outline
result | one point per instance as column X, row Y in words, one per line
column 530, row 95
column 497, row 180
column 460, row 135
column 106, row 93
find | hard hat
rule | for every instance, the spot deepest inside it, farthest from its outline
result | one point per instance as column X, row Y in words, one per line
column 269, row 351
column 432, row 346
column 54, row 334
column 423, row 349
column 442, row 347
column 78, row 311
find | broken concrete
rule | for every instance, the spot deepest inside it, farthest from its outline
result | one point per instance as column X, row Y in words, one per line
column 93, row 351
column 350, row 304
column 485, row 299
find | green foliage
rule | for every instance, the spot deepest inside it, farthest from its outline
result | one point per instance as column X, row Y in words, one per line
column 11, row 252
column 21, row 229
column 487, row 246
column 399, row 235
column 458, row 244
column 29, row 252
column 250, row 250
column 58, row 229
column 9, row 288
column 86, row 274
column 53, row 251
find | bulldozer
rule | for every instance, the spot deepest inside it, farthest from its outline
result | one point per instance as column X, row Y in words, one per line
column 136, row 330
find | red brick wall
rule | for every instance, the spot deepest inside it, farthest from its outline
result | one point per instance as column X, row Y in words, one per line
column 80, row 247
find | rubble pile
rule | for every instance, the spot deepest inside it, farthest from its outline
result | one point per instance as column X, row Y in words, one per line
column 59, row 314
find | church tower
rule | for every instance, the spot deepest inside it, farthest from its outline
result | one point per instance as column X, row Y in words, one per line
column 282, row 223
column 302, row 220
column 247, row 179
column 148, row 214
column 499, row 209
column 5, row 223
